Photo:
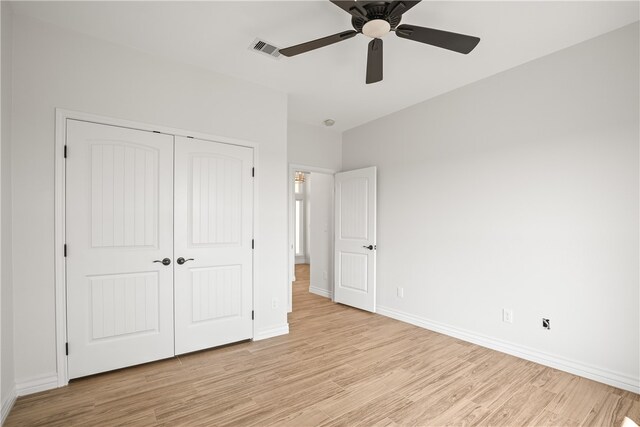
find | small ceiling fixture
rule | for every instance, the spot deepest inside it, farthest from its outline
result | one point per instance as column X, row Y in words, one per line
column 329, row 122
column 299, row 177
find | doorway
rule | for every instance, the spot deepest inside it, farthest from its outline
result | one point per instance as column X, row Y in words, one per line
column 311, row 230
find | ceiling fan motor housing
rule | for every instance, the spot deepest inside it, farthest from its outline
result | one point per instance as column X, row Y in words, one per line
column 375, row 10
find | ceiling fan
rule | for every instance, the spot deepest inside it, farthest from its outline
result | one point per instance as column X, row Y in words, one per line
column 375, row 19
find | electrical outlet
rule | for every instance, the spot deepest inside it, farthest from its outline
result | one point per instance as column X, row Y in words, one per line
column 400, row 292
column 507, row 315
column 546, row 323
column 325, row 275
column 274, row 303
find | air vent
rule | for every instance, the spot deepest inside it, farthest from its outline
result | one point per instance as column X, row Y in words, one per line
column 265, row 48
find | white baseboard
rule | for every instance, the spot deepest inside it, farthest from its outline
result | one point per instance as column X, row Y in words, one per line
column 319, row 291
column 271, row 332
column 605, row 376
column 8, row 404
column 36, row 384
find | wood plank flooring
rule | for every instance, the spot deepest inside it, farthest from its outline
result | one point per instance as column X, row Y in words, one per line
column 339, row 366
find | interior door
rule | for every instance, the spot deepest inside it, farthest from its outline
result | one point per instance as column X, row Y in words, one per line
column 119, row 213
column 213, row 237
column 355, row 238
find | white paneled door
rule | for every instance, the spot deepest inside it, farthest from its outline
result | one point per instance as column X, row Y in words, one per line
column 159, row 236
column 355, row 238
column 119, row 221
column 213, row 244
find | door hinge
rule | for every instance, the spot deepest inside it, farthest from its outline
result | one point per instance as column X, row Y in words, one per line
column 65, row 151
column 66, row 348
column 65, row 250
column 253, row 172
column 252, row 315
column 253, row 244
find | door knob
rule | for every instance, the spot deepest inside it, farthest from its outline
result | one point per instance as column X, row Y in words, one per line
column 370, row 247
column 165, row 261
column 181, row 260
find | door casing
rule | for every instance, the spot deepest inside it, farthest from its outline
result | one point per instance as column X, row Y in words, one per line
column 62, row 115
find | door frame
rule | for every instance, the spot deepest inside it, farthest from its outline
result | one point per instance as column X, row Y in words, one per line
column 293, row 167
column 60, row 274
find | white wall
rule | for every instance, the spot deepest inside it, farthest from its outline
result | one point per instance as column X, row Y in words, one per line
column 321, row 234
column 314, row 146
column 519, row 191
column 7, row 391
column 57, row 68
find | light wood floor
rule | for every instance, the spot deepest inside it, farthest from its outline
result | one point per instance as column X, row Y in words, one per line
column 338, row 366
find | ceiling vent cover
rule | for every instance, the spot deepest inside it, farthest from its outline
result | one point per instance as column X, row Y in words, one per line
column 265, row 48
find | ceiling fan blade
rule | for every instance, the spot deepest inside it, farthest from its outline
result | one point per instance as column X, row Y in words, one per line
column 452, row 41
column 374, row 61
column 315, row 44
column 398, row 7
column 351, row 7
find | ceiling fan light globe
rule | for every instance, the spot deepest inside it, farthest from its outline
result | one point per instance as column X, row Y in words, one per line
column 376, row 28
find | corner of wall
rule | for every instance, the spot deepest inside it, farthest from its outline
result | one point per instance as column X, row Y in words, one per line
column 36, row 384
column 314, row 146
column 7, row 404
column 271, row 332
column 8, row 392
column 321, row 292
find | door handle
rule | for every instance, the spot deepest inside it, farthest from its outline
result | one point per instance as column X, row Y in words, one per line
column 370, row 247
column 181, row 260
column 165, row 261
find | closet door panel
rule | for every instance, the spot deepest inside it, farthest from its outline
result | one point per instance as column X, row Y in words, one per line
column 213, row 234
column 119, row 214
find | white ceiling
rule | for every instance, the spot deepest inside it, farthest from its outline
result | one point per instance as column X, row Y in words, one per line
column 329, row 83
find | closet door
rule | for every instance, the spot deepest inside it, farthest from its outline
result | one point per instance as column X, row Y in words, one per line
column 119, row 228
column 213, row 239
